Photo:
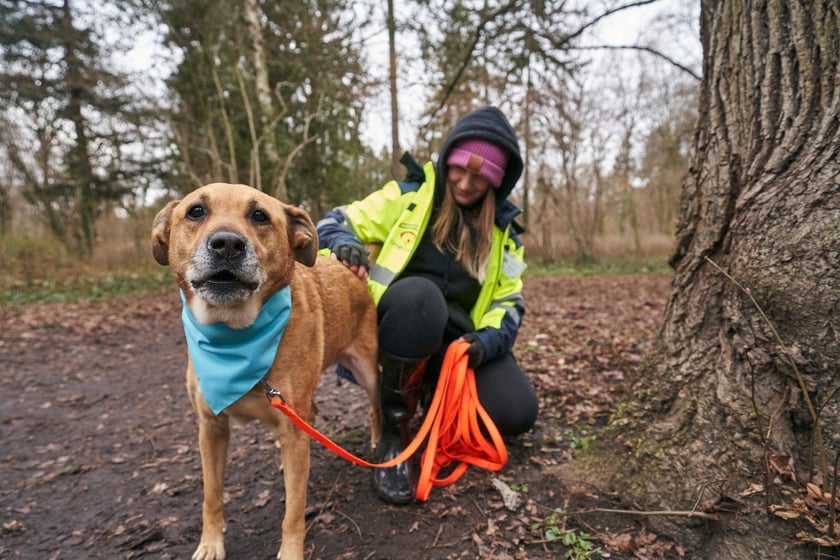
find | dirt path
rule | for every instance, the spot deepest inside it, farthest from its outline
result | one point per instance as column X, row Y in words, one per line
column 99, row 456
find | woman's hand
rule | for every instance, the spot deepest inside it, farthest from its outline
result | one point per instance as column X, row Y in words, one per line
column 475, row 352
column 353, row 258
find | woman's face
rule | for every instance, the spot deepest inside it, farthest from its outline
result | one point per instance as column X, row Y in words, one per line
column 467, row 187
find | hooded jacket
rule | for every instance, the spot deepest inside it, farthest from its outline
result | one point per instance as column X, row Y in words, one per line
column 490, row 124
column 396, row 216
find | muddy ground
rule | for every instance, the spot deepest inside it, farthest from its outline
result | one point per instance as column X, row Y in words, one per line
column 99, row 454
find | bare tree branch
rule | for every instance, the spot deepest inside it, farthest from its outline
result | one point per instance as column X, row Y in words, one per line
column 561, row 43
column 607, row 13
column 650, row 50
column 468, row 55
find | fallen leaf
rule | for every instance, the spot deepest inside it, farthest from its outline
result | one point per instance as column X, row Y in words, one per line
column 263, row 498
column 511, row 498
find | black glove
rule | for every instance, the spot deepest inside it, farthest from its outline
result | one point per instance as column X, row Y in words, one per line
column 352, row 255
column 475, row 352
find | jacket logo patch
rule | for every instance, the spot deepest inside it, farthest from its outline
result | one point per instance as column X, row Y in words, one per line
column 475, row 163
column 407, row 238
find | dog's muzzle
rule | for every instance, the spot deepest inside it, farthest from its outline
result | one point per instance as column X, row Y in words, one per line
column 225, row 269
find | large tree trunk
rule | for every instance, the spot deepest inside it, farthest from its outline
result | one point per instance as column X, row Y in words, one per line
column 719, row 408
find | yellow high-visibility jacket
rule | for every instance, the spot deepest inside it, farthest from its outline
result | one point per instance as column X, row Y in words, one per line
column 396, row 216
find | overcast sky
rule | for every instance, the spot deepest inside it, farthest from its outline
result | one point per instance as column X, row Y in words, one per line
column 668, row 25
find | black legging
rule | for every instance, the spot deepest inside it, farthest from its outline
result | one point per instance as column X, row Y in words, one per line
column 412, row 322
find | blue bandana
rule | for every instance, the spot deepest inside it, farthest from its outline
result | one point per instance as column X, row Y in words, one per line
column 229, row 362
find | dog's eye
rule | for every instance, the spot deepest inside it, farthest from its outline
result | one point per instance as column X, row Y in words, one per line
column 260, row 217
column 196, row 212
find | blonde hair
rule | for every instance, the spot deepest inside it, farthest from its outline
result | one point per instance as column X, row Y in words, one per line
column 467, row 234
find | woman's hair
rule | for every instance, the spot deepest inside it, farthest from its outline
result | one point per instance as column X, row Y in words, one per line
column 467, row 234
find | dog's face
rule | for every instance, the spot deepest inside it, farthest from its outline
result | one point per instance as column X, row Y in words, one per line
column 230, row 248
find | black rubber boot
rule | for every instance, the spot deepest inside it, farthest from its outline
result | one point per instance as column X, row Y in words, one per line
column 400, row 381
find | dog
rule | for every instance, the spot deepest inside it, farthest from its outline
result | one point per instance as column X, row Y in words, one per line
column 236, row 252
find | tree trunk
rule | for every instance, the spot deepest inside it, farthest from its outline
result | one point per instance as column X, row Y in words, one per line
column 526, row 172
column 267, row 119
column 718, row 411
column 396, row 152
column 80, row 169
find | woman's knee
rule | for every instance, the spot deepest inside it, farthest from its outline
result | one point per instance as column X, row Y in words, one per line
column 518, row 417
column 508, row 396
column 412, row 318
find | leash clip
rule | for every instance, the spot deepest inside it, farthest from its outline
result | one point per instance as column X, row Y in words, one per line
column 271, row 392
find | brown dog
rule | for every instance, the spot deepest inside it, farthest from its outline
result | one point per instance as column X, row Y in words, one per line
column 231, row 248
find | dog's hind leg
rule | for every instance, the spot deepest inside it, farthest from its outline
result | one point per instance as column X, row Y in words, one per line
column 213, row 438
column 362, row 360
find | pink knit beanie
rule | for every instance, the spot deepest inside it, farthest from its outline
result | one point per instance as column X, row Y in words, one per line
column 482, row 157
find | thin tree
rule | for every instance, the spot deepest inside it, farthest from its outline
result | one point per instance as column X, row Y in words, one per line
column 66, row 120
column 392, row 88
column 266, row 93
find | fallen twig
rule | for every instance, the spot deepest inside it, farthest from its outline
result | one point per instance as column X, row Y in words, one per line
column 350, row 519
column 678, row 513
column 437, row 536
column 700, row 514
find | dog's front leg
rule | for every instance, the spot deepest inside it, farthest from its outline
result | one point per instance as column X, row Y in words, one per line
column 294, row 454
column 213, row 438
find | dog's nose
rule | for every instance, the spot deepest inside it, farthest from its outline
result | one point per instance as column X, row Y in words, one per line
column 226, row 244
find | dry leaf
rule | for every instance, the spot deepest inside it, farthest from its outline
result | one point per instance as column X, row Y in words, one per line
column 623, row 541
column 511, row 498
column 263, row 498
column 785, row 513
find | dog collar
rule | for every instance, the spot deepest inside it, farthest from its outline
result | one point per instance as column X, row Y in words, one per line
column 228, row 361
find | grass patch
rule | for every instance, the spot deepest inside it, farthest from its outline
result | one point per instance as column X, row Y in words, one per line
column 76, row 288
column 655, row 264
column 38, row 270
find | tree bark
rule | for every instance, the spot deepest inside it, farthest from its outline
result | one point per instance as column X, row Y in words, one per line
column 718, row 409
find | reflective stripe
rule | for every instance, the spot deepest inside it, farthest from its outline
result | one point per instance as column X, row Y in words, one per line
column 512, row 312
column 326, row 221
column 382, row 275
column 507, row 311
column 515, row 298
column 342, row 210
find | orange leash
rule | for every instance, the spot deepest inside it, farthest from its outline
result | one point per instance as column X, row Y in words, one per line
column 455, row 423
column 457, row 434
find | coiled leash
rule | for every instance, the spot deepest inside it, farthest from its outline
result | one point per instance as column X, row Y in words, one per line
column 459, row 429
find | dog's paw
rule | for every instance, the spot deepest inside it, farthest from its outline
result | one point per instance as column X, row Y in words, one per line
column 210, row 551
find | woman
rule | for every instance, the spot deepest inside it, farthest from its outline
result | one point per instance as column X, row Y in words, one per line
column 450, row 267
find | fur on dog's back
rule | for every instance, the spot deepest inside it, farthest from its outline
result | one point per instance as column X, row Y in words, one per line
column 330, row 281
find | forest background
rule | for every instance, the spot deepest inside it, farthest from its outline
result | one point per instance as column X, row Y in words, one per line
column 108, row 109
column 724, row 428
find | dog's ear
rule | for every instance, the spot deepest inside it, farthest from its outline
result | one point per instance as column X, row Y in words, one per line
column 302, row 235
column 160, row 233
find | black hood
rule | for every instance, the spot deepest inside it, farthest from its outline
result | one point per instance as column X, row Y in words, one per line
column 487, row 123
